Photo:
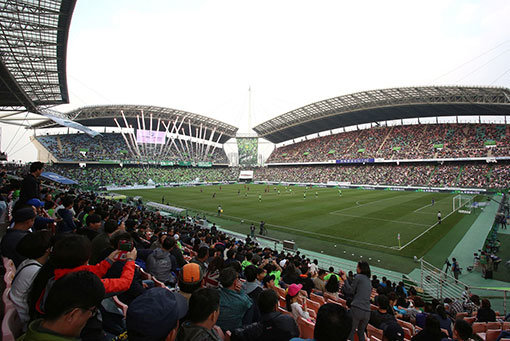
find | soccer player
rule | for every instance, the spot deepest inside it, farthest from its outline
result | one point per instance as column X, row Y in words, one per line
column 238, row 192
column 304, row 195
column 290, row 190
column 316, row 194
column 278, row 192
column 214, row 195
column 433, row 202
column 339, row 192
column 163, row 199
column 220, row 210
column 439, row 217
column 246, row 194
column 260, row 197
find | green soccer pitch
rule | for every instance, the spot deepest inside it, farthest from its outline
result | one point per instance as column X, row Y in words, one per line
column 349, row 225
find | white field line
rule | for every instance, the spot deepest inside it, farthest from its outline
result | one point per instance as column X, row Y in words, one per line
column 421, row 208
column 388, row 220
column 303, row 231
column 427, row 230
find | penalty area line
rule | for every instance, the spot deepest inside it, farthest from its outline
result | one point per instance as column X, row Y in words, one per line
column 427, row 230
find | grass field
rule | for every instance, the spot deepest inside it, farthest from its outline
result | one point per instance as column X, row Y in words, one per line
column 356, row 223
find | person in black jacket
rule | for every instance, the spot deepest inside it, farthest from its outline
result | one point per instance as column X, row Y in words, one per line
column 485, row 313
column 273, row 326
column 30, row 186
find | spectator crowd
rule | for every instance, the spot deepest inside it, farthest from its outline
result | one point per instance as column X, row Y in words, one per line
column 97, row 269
column 402, row 142
column 112, row 146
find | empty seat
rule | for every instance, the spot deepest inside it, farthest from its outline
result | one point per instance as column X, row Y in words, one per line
column 317, row 298
column 479, row 327
column 306, row 328
column 492, row 334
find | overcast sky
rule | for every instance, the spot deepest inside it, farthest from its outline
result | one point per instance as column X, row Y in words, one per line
column 202, row 56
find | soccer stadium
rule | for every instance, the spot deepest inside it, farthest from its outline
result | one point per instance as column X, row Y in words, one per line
column 378, row 214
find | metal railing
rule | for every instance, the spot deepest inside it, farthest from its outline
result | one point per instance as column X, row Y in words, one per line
column 439, row 284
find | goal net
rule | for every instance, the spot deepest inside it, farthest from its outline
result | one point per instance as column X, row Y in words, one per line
column 462, row 203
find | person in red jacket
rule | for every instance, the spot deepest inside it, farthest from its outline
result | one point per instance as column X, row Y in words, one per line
column 71, row 254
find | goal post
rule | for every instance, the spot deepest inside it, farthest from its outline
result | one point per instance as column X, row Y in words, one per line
column 462, row 202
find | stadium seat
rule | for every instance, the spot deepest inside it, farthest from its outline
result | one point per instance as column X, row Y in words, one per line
column 407, row 325
column 280, row 291
column 492, row 334
column 285, row 311
column 505, row 325
column 306, row 328
column 158, row 284
column 11, row 325
column 312, row 313
column 120, row 305
column 313, row 305
column 470, row 320
column 317, row 298
column 373, row 331
column 282, row 302
column 145, row 275
column 493, row 325
column 479, row 327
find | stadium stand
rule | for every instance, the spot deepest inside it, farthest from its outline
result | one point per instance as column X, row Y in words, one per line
column 82, row 147
column 411, row 142
column 466, row 175
column 404, row 310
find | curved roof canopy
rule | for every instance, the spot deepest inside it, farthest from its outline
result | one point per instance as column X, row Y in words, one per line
column 104, row 115
column 383, row 105
column 33, row 45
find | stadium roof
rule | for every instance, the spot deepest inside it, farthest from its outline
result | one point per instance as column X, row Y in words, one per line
column 33, row 47
column 384, row 105
column 103, row 116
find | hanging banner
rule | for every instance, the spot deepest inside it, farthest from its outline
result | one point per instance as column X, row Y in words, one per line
column 67, row 123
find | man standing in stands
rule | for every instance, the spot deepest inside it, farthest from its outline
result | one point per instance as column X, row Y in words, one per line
column 252, row 230
column 262, row 231
column 30, row 184
column 439, row 217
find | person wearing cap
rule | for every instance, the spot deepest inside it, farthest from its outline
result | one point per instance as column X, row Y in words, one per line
column 203, row 312
column 23, row 220
column 268, row 282
column 393, row 332
column 234, row 303
column 155, row 315
column 333, row 323
column 92, row 227
column 30, row 186
column 190, row 279
column 40, row 223
column 292, row 300
column 70, row 303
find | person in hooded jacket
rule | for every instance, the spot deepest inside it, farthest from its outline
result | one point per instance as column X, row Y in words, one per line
column 160, row 263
